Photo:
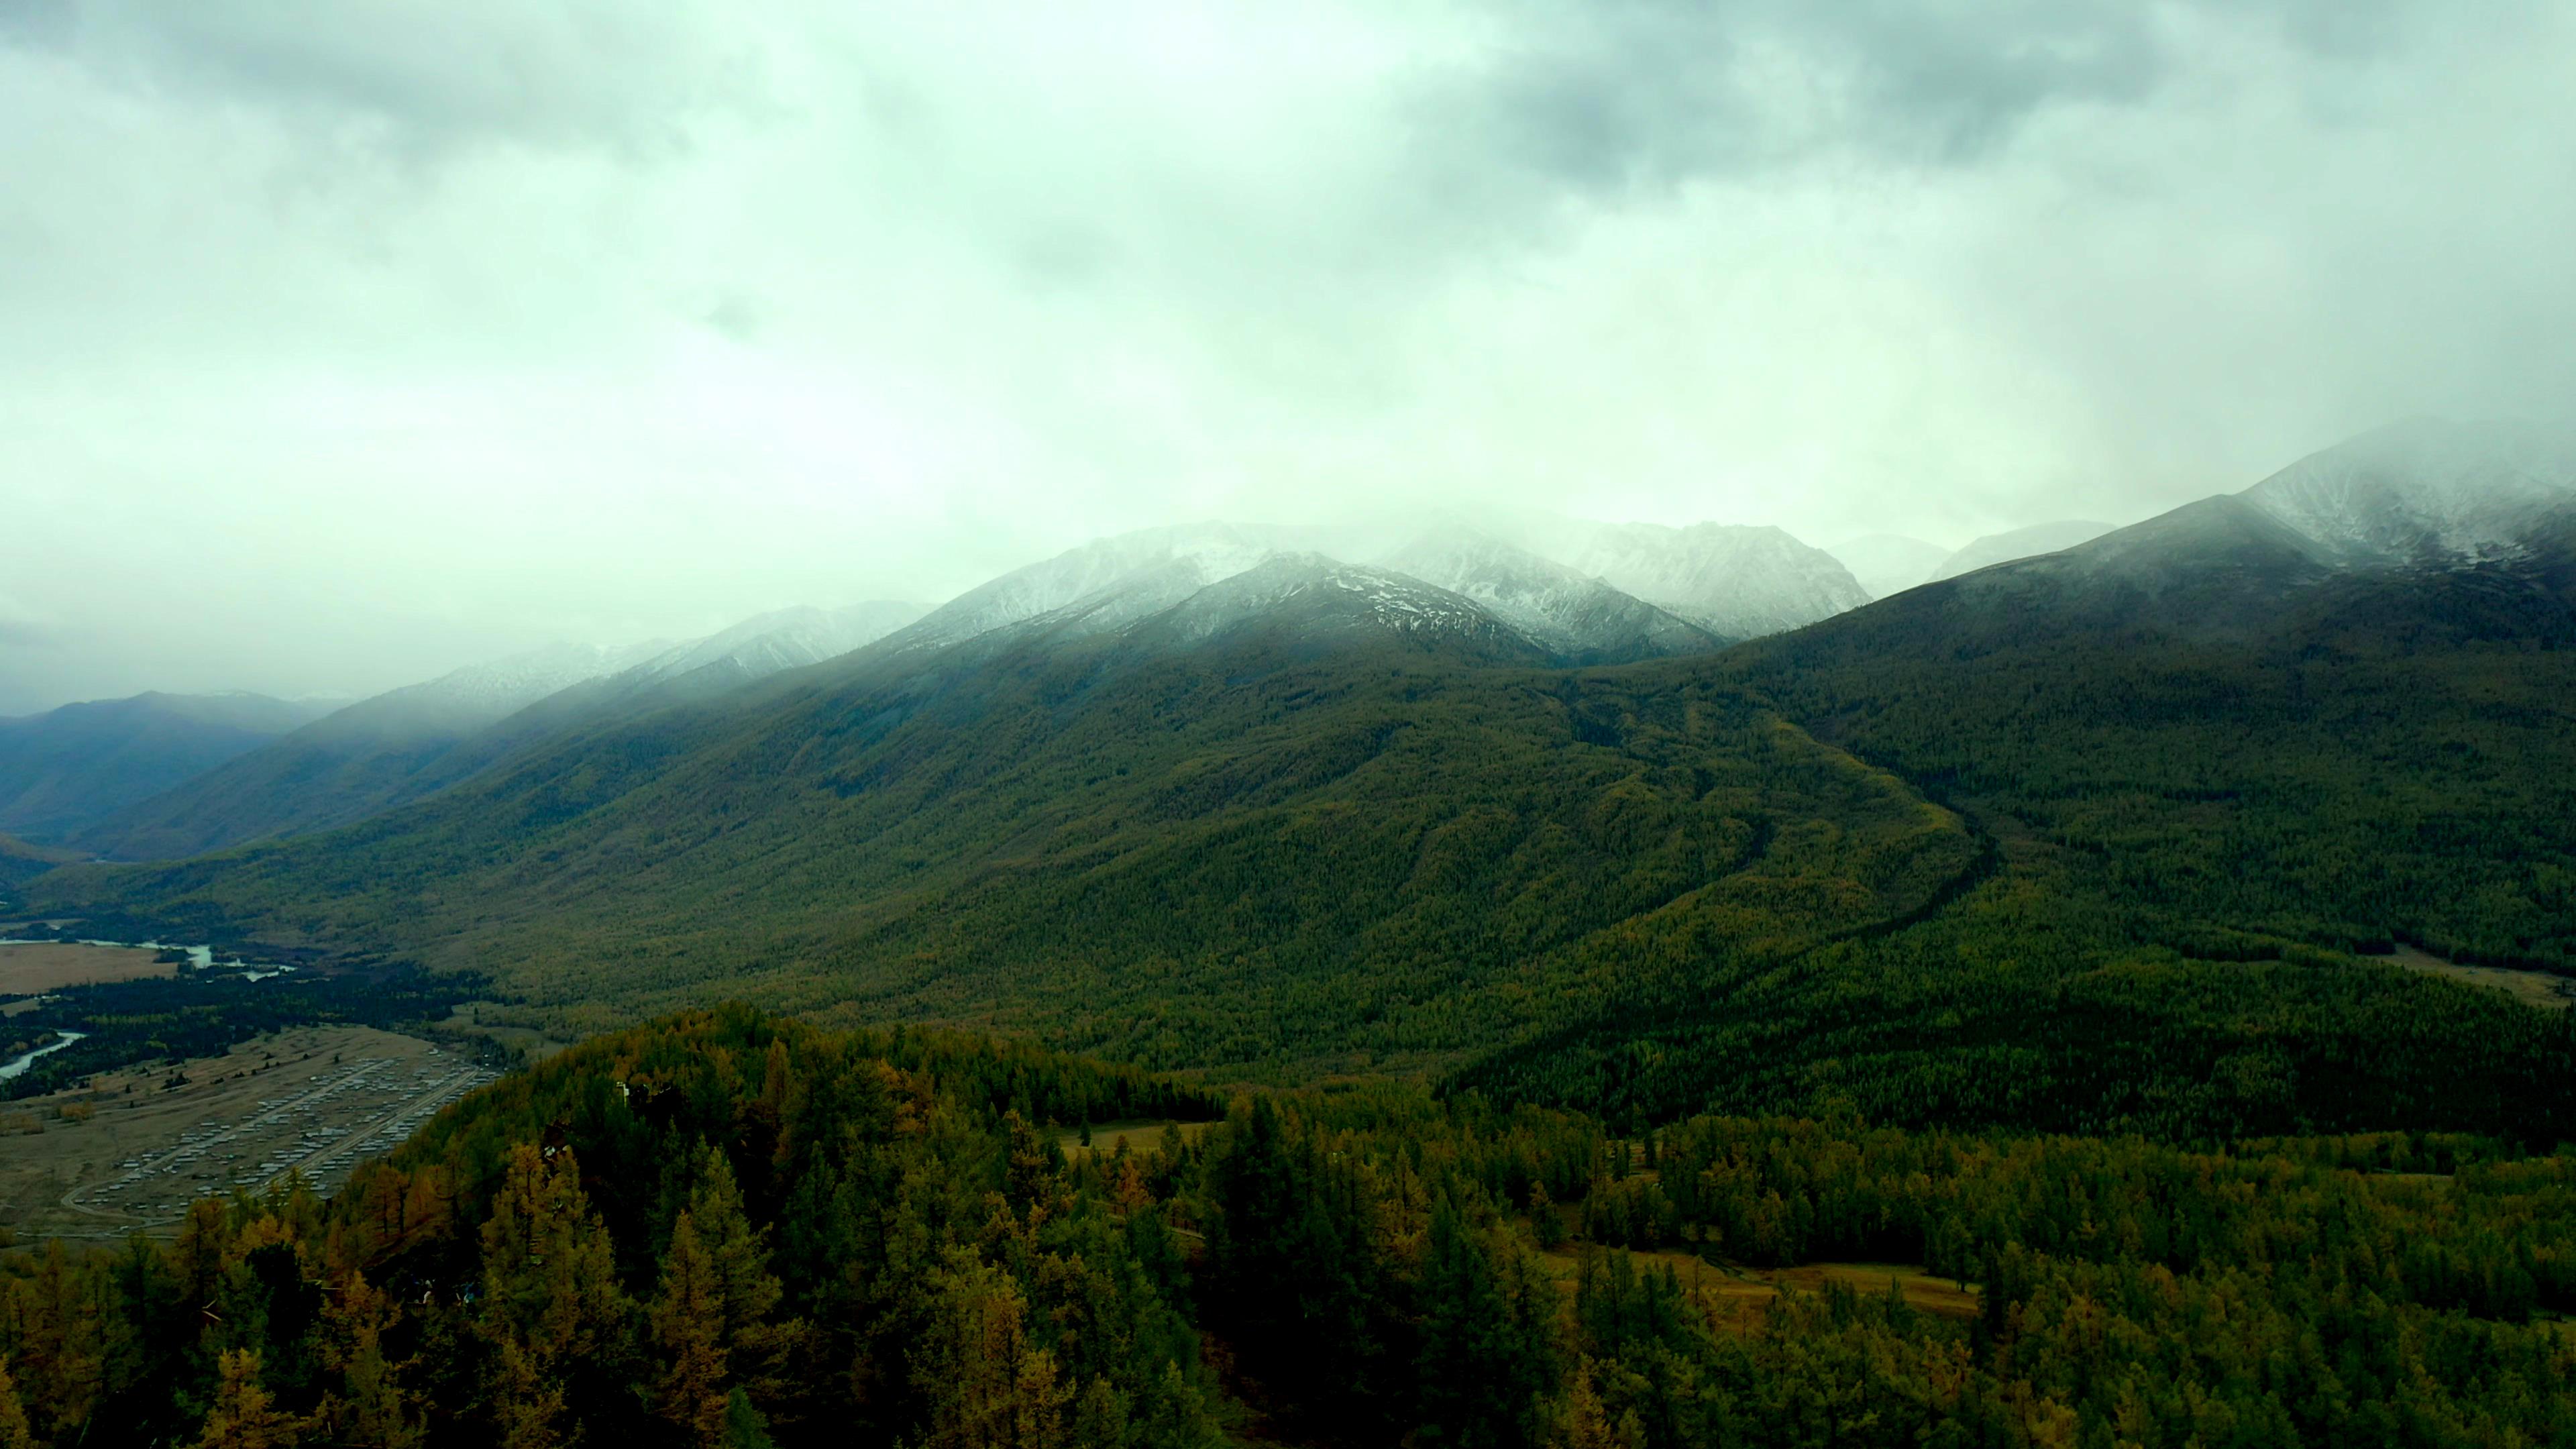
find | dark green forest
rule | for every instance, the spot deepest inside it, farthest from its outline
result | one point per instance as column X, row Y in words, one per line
column 1947, row 860
column 726, row 1228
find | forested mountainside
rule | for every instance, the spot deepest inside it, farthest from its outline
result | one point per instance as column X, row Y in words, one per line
column 68, row 767
column 2113, row 839
column 1245, row 853
column 2211, row 786
column 729, row 1229
column 397, row 747
column 20, row 861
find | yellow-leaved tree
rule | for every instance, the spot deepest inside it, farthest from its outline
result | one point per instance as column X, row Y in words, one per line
column 550, row 1300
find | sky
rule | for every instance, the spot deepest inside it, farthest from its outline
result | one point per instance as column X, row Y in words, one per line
column 343, row 342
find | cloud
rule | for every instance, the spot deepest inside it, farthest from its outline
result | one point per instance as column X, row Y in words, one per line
column 420, row 75
column 22, row 627
column 347, row 341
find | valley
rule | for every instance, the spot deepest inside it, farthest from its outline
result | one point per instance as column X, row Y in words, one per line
column 1332, row 984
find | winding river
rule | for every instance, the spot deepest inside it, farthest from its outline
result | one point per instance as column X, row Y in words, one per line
column 19, row 1067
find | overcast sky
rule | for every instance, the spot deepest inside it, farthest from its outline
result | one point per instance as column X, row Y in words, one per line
column 346, row 341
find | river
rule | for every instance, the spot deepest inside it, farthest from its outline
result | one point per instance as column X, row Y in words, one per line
column 19, row 1067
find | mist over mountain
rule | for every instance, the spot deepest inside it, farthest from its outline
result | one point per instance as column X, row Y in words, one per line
column 1887, row 563
column 2425, row 492
column 400, row 746
column 1575, row 617
column 67, row 767
column 1995, row 548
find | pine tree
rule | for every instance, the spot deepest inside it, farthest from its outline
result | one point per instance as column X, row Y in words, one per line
column 1481, row 1367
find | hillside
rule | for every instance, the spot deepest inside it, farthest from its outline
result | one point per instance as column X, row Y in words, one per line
column 1285, row 842
column 410, row 743
column 2216, row 761
column 728, row 1229
column 2104, row 840
column 67, row 768
column 20, row 861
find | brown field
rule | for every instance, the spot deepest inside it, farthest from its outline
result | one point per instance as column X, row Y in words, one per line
column 50, row 965
column 130, row 1153
column 2534, row 988
column 1140, row 1136
column 1739, row 1296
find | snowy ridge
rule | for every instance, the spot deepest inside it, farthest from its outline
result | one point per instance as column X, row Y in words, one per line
column 2423, row 492
column 1735, row 581
column 1312, row 594
column 1194, row 556
column 1556, row 607
column 784, row 639
column 505, row 685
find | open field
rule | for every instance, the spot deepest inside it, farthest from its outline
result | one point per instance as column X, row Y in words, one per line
column 28, row 967
column 131, row 1151
column 1739, row 1294
column 2536, row 988
column 1139, row 1135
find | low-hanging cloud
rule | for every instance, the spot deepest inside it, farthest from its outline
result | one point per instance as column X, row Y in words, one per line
column 348, row 341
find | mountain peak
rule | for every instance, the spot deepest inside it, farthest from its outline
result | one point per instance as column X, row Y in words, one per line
column 1737, row 581
column 1310, row 598
column 2424, row 491
column 1571, row 614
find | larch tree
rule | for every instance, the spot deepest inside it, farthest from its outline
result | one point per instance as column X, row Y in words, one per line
column 243, row 1415
column 14, row 1433
column 550, row 1299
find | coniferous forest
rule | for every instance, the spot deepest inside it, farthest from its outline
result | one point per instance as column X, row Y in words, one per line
column 725, row 1228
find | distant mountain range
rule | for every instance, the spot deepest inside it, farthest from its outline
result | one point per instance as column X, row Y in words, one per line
column 1542, row 590
column 1203, row 797
column 397, row 747
column 68, row 766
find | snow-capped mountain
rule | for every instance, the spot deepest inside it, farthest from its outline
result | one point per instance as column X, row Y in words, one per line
column 2019, row 543
column 783, row 639
column 1312, row 598
column 1735, row 581
column 2424, row 492
column 1170, row 563
column 1569, row 614
column 1889, row 563
column 491, row 690
column 1556, row 583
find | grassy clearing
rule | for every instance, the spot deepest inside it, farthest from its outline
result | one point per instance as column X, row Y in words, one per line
column 51, row 965
column 1738, row 1297
column 2532, row 988
column 1139, row 1136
